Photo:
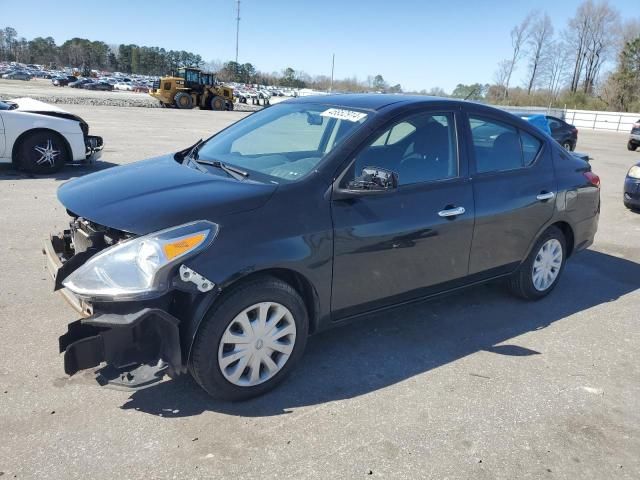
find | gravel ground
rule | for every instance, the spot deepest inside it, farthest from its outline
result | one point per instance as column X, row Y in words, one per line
column 474, row 385
column 43, row 90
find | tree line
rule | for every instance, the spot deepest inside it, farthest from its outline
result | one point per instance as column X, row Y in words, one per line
column 289, row 77
column 88, row 54
column 569, row 67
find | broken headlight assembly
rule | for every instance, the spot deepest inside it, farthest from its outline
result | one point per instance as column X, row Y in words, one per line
column 139, row 268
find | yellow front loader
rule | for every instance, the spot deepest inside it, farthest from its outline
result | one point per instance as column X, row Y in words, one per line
column 190, row 88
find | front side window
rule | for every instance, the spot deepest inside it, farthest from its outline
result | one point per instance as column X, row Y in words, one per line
column 499, row 146
column 420, row 148
column 284, row 141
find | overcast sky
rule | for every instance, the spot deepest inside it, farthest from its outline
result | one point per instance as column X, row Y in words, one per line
column 417, row 43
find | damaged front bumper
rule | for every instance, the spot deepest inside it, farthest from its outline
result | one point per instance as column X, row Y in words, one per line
column 139, row 348
column 139, row 342
column 94, row 145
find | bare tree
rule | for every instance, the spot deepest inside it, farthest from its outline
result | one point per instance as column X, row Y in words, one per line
column 590, row 35
column 539, row 42
column 554, row 68
column 505, row 67
column 519, row 36
column 630, row 31
column 601, row 42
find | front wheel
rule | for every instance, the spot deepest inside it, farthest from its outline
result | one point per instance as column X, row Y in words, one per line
column 251, row 340
column 42, row 152
column 539, row 273
column 631, row 146
column 217, row 103
column 567, row 146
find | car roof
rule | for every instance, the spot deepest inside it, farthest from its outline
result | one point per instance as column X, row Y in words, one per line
column 371, row 101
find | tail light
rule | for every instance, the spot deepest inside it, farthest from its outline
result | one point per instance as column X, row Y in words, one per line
column 592, row 178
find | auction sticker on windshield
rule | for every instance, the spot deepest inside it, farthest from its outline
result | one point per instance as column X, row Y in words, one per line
column 342, row 114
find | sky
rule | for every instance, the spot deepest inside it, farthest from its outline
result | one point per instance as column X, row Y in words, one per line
column 418, row 43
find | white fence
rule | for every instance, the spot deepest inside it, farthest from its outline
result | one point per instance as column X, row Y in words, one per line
column 612, row 121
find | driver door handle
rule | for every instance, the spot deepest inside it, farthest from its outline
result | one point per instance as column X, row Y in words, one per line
column 451, row 212
column 545, row 196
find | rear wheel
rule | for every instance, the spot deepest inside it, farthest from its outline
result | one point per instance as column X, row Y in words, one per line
column 631, row 146
column 567, row 146
column 251, row 340
column 183, row 100
column 217, row 103
column 42, row 153
column 539, row 273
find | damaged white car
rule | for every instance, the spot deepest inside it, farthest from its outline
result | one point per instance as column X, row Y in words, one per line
column 42, row 138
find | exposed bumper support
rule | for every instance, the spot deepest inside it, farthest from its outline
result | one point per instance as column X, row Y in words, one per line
column 139, row 348
column 94, row 146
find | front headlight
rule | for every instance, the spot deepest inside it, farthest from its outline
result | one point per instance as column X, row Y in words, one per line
column 139, row 268
column 634, row 172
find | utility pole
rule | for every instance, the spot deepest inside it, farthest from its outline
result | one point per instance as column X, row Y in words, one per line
column 237, row 30
column 333, row 62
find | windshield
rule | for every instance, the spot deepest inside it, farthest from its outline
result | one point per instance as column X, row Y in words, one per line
column 285, row 141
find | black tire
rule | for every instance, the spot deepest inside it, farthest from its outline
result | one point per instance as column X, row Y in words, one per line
column 631, row 146
column 183, row 101
column 521, row 282
column 217, row 103
column 204, row 365
column 568, row 146
column 30, row 154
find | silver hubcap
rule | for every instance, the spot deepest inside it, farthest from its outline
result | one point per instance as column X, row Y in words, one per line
column 47, row 154
column 257, row 344
column 546, row 266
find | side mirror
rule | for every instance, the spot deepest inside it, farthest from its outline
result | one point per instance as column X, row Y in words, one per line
column 372, row 181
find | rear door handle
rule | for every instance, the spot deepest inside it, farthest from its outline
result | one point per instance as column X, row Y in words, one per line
column 545, row 196
column 451, row 212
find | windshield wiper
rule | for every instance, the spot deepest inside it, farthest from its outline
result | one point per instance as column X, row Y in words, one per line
column 230, row 170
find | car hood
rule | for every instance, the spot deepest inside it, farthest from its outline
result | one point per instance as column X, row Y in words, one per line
column 158, row 193
column 26, row 104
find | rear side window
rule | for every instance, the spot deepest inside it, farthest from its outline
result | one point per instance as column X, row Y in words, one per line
column 530, row 147
column 499, row 146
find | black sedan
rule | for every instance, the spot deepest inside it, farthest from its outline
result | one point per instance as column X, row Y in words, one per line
column 564, row 133
column 104, row 86
column 80, row 83
column 63, row 81
column 220, row 260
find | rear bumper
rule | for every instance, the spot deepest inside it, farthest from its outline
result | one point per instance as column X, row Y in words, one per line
column 139, row 343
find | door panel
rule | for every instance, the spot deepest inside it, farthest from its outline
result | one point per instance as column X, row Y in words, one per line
column 508, row 212
column 392, row 247
column 395, row 246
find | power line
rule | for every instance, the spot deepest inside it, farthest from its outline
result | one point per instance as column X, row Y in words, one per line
column 237, row 30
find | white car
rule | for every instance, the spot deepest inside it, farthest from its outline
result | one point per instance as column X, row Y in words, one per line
column 42, row 138
column 123, row 86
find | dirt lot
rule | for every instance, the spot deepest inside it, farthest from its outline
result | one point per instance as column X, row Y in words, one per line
column 475, row 385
